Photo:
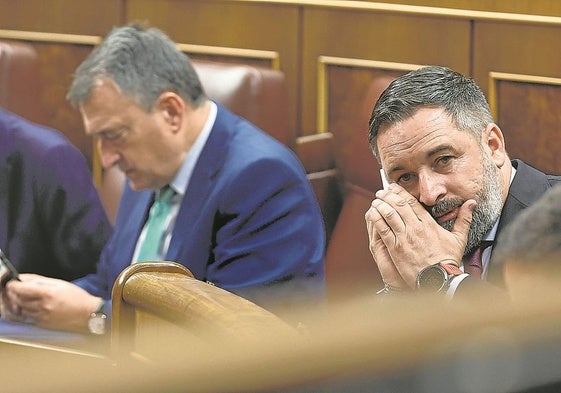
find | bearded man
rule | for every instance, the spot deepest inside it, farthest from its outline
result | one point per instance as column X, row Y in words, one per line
column 452, row 187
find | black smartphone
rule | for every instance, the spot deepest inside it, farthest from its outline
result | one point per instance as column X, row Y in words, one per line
column 7, row 270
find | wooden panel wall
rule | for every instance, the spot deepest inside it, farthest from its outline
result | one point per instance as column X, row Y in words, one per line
column 532, row 7
column 329, row 50
column 374, row 36
column 63, row 32
column 93, row 17
column 236, row 25
column 526, row 103
column 528, row 109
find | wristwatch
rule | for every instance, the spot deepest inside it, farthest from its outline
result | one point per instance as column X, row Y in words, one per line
column 436, row 278
column 98, row 320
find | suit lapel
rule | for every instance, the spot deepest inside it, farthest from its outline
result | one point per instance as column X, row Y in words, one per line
column 201, row 183
column 5, row 187
column 133, row 218
column 526, row 187
column 4, row 208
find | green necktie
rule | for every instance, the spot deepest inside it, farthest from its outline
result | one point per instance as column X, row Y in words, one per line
column 155, row 225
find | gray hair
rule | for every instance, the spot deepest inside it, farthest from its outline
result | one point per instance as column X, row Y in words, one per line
column 437, row 87
column 143, row 62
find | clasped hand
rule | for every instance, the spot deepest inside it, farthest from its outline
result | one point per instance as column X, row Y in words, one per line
column 404, row 238
column 48, row 302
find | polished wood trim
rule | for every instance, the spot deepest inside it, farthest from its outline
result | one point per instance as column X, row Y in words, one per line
column 38, row 36
column 97, row 169
column 496, row 77
column 323, row 94
column 50, row 37
column 24, row 344
column 323, row 80
column 414, row 9
column 122, row 334
column 272, row 56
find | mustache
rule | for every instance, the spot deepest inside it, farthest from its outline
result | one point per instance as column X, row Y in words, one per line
column 444, row 206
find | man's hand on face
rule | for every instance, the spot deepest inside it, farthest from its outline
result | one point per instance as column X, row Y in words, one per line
column 379, row 250
column 48, row 302
column 405, row 238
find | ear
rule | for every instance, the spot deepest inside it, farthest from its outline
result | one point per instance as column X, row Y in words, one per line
column 493, row 139
column 172, row 108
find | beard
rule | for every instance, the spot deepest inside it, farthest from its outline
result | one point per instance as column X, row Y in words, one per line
column 487, row 211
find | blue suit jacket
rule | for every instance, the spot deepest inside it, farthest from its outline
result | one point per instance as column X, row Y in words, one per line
column 249, row 221
column 51, row 219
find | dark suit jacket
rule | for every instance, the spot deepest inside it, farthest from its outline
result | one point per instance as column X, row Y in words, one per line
column 249, row 221
column 51, row 219
column 526, row 187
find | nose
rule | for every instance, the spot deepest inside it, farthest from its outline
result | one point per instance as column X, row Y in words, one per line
column 431, row 187
column 108, row 154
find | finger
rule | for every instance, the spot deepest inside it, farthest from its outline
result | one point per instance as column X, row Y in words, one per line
column 406, row 204
column 380, row 252
column 30, row 277
column 463, row 221
column 369, row 223
column 25, row 291
column 371, row 216
column 8, row 297
column 33, row 306
column 36, row 315
column 11, row 314
column 385, row 265
column 382, row 215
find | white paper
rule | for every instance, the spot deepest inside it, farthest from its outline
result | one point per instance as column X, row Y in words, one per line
column 385, row 182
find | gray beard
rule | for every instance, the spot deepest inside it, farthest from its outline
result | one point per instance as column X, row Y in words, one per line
column 488, row 207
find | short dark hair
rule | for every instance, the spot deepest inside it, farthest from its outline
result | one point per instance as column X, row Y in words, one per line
column 433, row 86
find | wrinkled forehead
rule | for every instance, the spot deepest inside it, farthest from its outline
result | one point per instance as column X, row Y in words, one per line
column 106, row 106
column 418, row 136
column 423, row 125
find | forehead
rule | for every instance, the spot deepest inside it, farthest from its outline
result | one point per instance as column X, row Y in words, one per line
column 423, row 132
column 106, row 107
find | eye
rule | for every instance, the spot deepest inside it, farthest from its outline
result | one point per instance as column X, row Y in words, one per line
column 404, row 179
column 112, row 135
column 444, row 160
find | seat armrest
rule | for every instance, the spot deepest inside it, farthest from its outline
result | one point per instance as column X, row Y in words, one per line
column 316, row 152
column 160, row 302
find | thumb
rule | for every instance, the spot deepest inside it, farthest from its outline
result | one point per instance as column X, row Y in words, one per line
column 463, row 221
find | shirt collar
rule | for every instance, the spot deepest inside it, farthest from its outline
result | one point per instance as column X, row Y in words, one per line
column 181, row 179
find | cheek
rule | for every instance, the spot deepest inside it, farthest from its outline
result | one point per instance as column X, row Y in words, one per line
column 468, row 177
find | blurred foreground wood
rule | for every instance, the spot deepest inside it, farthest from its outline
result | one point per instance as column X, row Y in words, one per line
column 409, row 345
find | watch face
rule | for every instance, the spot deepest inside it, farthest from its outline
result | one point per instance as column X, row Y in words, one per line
column 432, row 278
column 96, row 324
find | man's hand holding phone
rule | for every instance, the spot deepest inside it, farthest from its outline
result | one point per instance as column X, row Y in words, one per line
column 385, row 182
column 7, row 270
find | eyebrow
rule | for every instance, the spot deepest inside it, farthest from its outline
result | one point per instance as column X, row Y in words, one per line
column 440, row 149
column 430, row 154
column 108, row 130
